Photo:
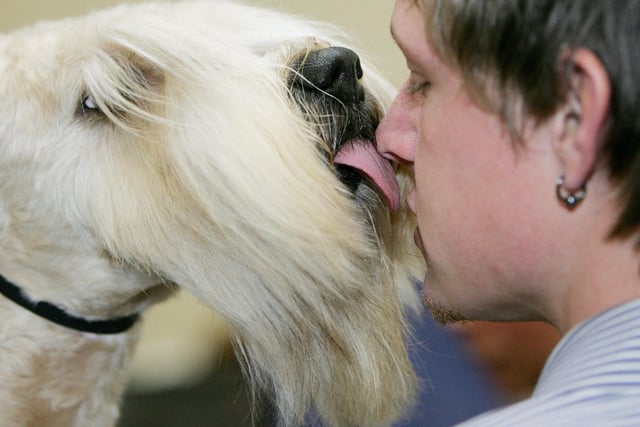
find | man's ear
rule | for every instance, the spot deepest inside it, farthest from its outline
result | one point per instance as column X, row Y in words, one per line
column 582, row 120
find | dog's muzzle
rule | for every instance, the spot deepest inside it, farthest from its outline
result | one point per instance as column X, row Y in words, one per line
column 326, row 83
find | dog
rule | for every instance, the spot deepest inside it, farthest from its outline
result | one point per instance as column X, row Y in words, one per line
column 217, row 147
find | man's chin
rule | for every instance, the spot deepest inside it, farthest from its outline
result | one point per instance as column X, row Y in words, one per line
column 442, row 314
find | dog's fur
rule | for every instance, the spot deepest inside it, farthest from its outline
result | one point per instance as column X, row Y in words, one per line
column 161, row 144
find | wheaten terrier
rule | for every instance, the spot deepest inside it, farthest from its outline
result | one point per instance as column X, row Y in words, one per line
column 224, row 149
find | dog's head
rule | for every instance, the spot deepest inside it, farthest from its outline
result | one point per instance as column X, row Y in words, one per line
column 228, row 150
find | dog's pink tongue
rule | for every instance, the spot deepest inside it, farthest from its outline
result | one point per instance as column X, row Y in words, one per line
column 362, row 155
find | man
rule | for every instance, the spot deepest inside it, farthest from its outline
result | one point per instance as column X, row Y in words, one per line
column 520, row 118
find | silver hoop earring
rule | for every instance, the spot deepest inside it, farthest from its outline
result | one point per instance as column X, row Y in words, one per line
column 570, row 200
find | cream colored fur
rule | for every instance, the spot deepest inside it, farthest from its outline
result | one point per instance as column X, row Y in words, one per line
column 199, row 172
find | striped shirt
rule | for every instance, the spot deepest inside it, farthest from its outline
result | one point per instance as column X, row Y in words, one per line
column 592, row 378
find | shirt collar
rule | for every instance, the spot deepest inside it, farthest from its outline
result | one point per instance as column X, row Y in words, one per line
column 601, row 351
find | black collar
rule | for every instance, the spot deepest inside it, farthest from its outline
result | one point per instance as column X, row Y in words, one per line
column 59, row 316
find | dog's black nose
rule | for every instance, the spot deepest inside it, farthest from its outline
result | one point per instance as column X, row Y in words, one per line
column 332, row 70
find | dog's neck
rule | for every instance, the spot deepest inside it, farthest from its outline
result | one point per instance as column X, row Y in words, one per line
column 52, row 375
column 56, row 376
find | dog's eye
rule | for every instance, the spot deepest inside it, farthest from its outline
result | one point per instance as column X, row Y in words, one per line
column 89, row 104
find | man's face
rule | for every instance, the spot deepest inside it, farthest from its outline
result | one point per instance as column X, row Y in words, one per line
column 481, row 219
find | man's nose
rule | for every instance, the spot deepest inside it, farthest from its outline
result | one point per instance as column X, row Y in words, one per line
column 397, row 133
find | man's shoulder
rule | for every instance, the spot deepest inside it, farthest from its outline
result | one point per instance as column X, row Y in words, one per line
column 580, row 408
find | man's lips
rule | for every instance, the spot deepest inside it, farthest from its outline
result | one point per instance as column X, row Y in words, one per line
column 417, row 236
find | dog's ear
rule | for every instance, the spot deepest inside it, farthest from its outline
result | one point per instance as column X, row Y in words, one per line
column 123, row 87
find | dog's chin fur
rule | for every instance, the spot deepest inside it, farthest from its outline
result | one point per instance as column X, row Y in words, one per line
column 198, row 169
